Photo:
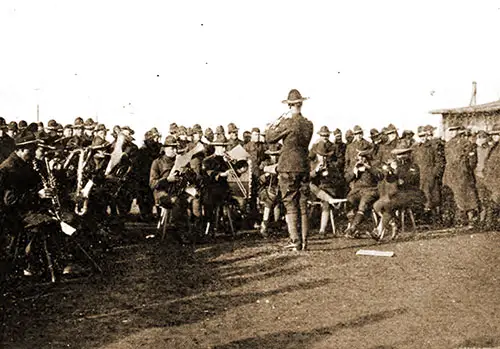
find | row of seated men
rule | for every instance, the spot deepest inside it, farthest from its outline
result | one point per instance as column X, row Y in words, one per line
column 383, row 174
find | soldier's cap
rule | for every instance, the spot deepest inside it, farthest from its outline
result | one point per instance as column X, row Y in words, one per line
column 189, row 131
column 495, row 130
column 170, row 141
column 181, row 130
column 401, row 151
column 154, row 131
column 173, row 127
column 2, row 121
column 390, row 129
column 101, row 127
column 256, row 130
column 219, row 130
column 23, row 124
column 52, row 125
column 274, row 149
column 349, row 133
column 12, row 126
column 209, row 134
column 365, row 150
column 127, row 128
column 26, row 139
column 429, row 128
column 337, row 132
column 421, row 131
column 220, row 140
column 197, row 128
column 357, row 130
column 294, row 97
column 408, row 133
column 247, row 133
column 321, row 149
column 374, row 133
column 89, row 124
column 59, row 127
column 78, row 123
column 78, row 120
column 232, row 128
column 324, row 131
column 68, row 126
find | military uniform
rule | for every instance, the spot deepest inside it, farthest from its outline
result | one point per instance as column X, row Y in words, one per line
column 293, row 168
column 459, row 175
column 405, row 190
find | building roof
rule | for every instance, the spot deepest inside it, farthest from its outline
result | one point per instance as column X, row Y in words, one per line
column 491, row 107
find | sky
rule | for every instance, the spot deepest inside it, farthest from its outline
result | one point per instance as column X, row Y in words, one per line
column 149, row 63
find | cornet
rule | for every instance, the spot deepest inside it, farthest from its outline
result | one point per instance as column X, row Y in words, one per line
column 276, row 122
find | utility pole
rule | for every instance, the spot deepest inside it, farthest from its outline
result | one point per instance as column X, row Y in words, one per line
column 473, row 97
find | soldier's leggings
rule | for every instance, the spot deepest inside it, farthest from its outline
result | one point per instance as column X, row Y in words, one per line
column 294, row 187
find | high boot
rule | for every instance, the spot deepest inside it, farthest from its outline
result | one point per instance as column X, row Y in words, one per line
column 304, row 226
column 351, row 231
column 291, row 222
column 325, row 216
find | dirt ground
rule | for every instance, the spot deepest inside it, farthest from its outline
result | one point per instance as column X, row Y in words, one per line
column 440, row 290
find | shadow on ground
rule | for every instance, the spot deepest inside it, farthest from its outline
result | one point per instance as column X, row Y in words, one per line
column 150, row 284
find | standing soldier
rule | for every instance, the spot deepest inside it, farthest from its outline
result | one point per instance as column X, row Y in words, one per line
column 387, row 147
column 7, row 144
column 349, row 137
column 12, row 129
column 232, row 132
column 428, row 155
column 146, row 154
column 256, row 150
column 459, row 175
column 492, row 169
column 293, row 167
column 483, row 150
column 339, row 150
column 352, row 148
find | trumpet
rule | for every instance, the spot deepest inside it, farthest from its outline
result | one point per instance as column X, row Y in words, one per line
column 276, row 122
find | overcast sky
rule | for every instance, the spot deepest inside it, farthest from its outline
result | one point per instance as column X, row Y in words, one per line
column 150, row 63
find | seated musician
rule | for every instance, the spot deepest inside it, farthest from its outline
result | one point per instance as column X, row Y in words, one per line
column 23, row 210
column 362, row 179
column 167, row 189
column 269, row 195
column 216, row 191
column 401, row 189
column 325, row 174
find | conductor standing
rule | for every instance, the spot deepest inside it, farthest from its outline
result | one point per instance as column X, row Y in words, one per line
column 293, row 167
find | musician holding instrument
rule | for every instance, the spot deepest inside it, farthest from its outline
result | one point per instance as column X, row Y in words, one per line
column 293, row 167
column 166, row 187
column 362, row 178
column 325, row 174
column 23, row 208
column 269, row 195
column 402, row 176
column 216, row 191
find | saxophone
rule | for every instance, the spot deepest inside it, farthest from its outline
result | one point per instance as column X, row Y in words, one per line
column 50, row 183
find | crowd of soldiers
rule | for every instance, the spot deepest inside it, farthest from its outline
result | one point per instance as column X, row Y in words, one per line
column 57, row 180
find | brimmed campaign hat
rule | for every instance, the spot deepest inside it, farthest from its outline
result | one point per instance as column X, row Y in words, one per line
column 357, row 130
column 390, row 129
column 170, row 141
column 232, row 128
column 220, row 140
column 294, row 97
column 26, row 138
column 324, row 131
